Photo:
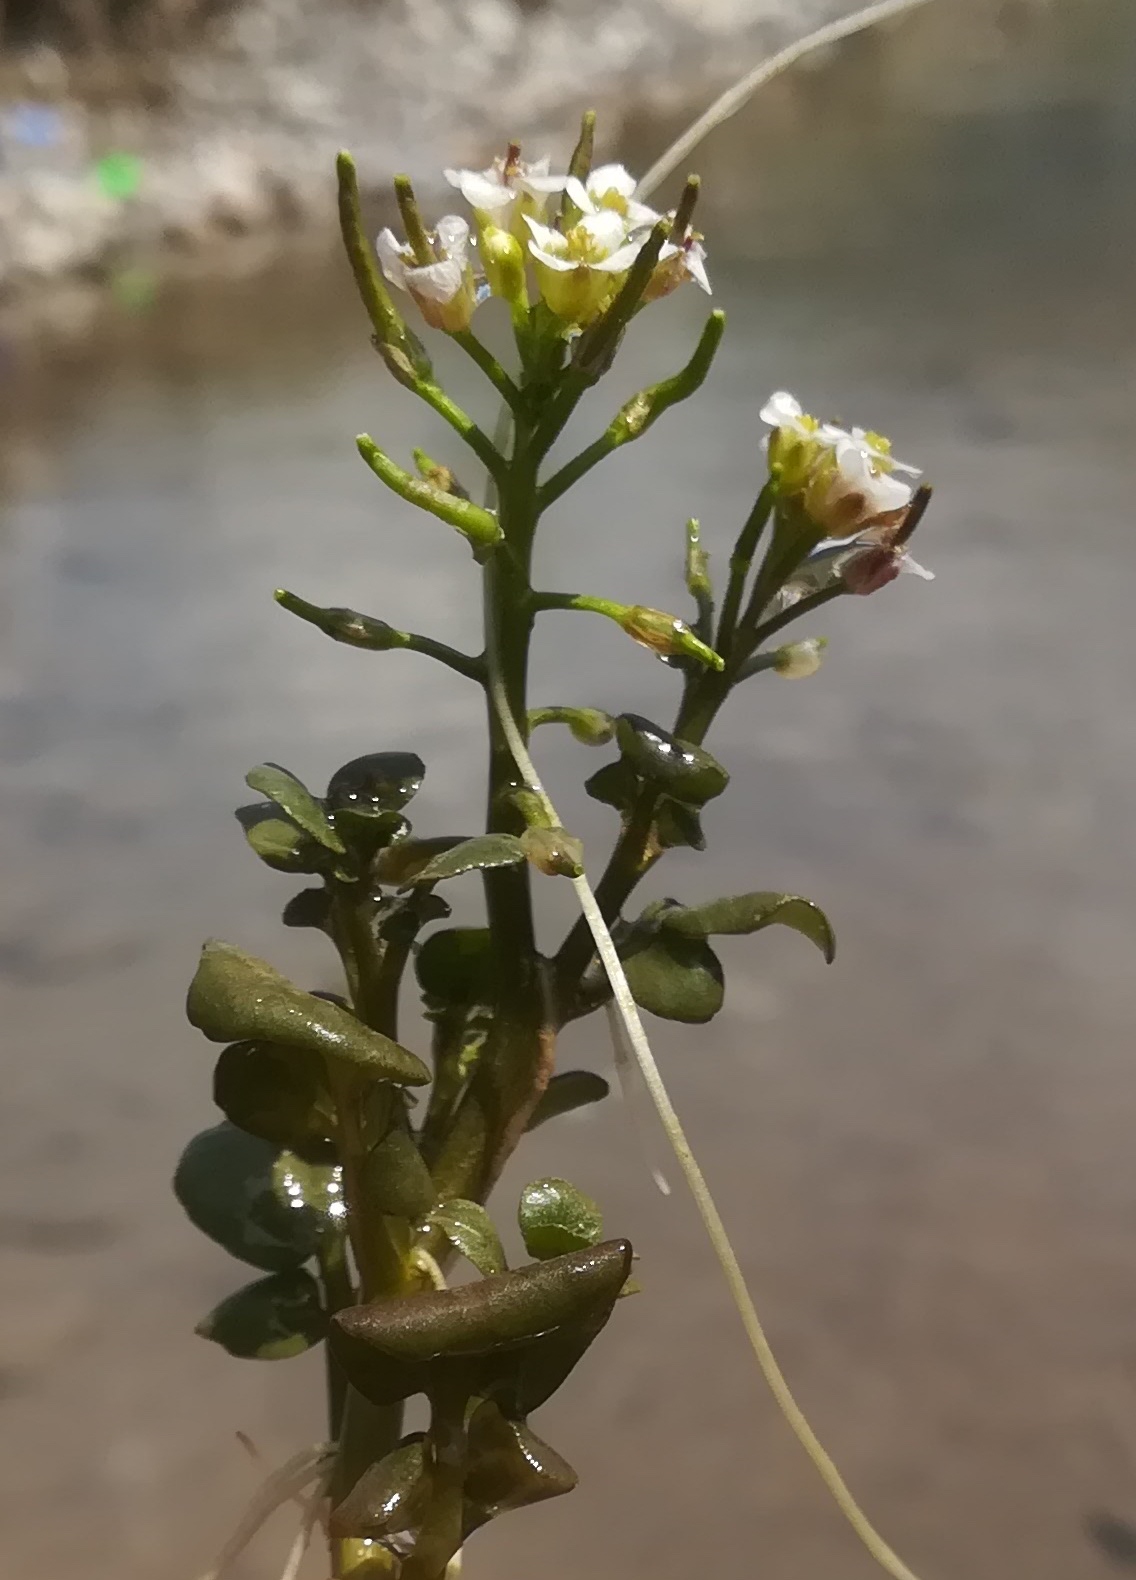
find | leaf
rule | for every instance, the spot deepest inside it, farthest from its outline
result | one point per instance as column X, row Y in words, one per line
column 403, row 861
column 615, row 784
column 301, row 1185
column 570, row 1090
column 509, row 1467
column 225, row 1183
column 680, row 768
column 297, row 801
column 678, row 825
column 453, row 967
column 468, row 1227
column 555, row 1217
column 309, row 908
column 269, row 1320
column 272, row 1094
column 379, row 782
column 395, row 1178
column 369, row 832
column 676, row 978
column 749, row 913
column 235, row 996
column 280, row 844
column 392, row 1495
column 483, row 850
column 512, row 1336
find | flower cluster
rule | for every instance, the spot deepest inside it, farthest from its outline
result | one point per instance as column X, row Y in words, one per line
column 579, row 235
column 845, row 481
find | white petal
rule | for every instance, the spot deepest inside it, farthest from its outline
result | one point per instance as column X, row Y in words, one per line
column 576, row 191
column 915, row 569
column 606, row 229
column 642, row 217
column 563, row 265
column 607, row 178
column 438, row 282
column 540, row 185
column 696, row 267
column 538, row 167
column 393, row 256
column 482, row 189
column 544, row 237
column 622, row 258
column 453, row 236
column 782, row 410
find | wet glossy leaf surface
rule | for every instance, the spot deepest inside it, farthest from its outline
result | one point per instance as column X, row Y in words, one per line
column 312, row 1188
column 395, row 1178
column 570, row 1090
column 366, row 833
column 470, row 1229
column 749, row 913
column 514, row 1336
column 379, row 782
column 273, row 1094
column 676, row 978
column 390, row 1496
column 296, row 801
column 225, row 1183
column 453, row 966
column 483, row 850
column 279, row 843
column 685, row 771
column 235, row 996
column 509, row 1467
column 402, row 862
column 555, row 1217
column 270, row 1320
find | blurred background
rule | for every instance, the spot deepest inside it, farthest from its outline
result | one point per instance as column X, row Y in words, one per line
column 925, row 1151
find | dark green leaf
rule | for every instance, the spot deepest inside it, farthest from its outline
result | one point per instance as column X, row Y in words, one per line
column 296, row 801
column 572, row 1089
column 275, row 1095
column 225, row 1183
column 615, row 785
column 280, row 844
column 556, row 1218
column 270, row 1320
column 677, row 978
column 749, row 913
column 314, row 1188
column 309, row 908
column 468, row 1227
column 235, row 996
column 366, row 833
column 514, row 1336
column 388, row 1497
column 681, row 769
column 379, row 782
column 453, row 967
column 509, row 1467
column 396, row 1180
column 678, row 825
column 402, row 862
column 483, row 850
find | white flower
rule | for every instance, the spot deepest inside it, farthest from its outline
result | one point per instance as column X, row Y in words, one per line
column 783, row 410
column 444, row 289
column 873, row 444
column 578, row 270
column 611, row 187
column 856, row 491
column 509, row 188
column 678, row 261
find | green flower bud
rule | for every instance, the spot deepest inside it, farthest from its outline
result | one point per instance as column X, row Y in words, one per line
column 667, row 635
column 504, row 261
column 799, row 660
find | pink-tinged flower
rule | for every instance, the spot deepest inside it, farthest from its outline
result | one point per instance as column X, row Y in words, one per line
column 678, row 262
column 873, row 567
column 580, row 269
column 444, row 289
column 510, row 189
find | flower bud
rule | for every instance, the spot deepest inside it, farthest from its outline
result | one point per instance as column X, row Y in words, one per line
column 667, row 635
column 799, row 660
column 867, row 572
column 554, row 851
column 504, row 261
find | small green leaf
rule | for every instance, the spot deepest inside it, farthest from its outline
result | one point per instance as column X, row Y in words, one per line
column 677, row 825
column 615, row 784
column 312, row 1187
column 680, row 768
column 366, row 833
column 565, row 1092
column 297, row 801
column 453, row 967
column 275, row 1095
column 749, row 913
column 226, row 1185
column 279, row 843
column 556, row 1218
column 395, row 1178
column 468, row 1227
column 234, row 997
column 401, row 863
column 392, row 1495
column 269, row 1320
column 379, row 782
column 509, row 1467
column 309, row 908
column 676, row 978
column 483, row 850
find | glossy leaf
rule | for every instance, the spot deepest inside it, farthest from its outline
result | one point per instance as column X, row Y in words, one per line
column 483, row 850
column 391, row 1496
column 396, row 1179
column 453, row 966
column 570, row 1090
column 513, row 1336
column 225, row 1183
column 279, row 843
column 269, row 1320
column 509, row 1467
column 470, row 1229
column 379, row 782
column 296, row 801
column 272, row 1094
column 366, row 833
column 615, row 784
column 402, row 862
column 676, row 978
column 555, row 1217
column 312, row 1187
column 554, row 851
column 235, row 996
column 678, row 826
column 681, row 769
column 749, row 913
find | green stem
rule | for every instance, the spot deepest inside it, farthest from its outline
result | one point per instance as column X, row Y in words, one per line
column 740, row 562
column 803, row 606
column 489, row 365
